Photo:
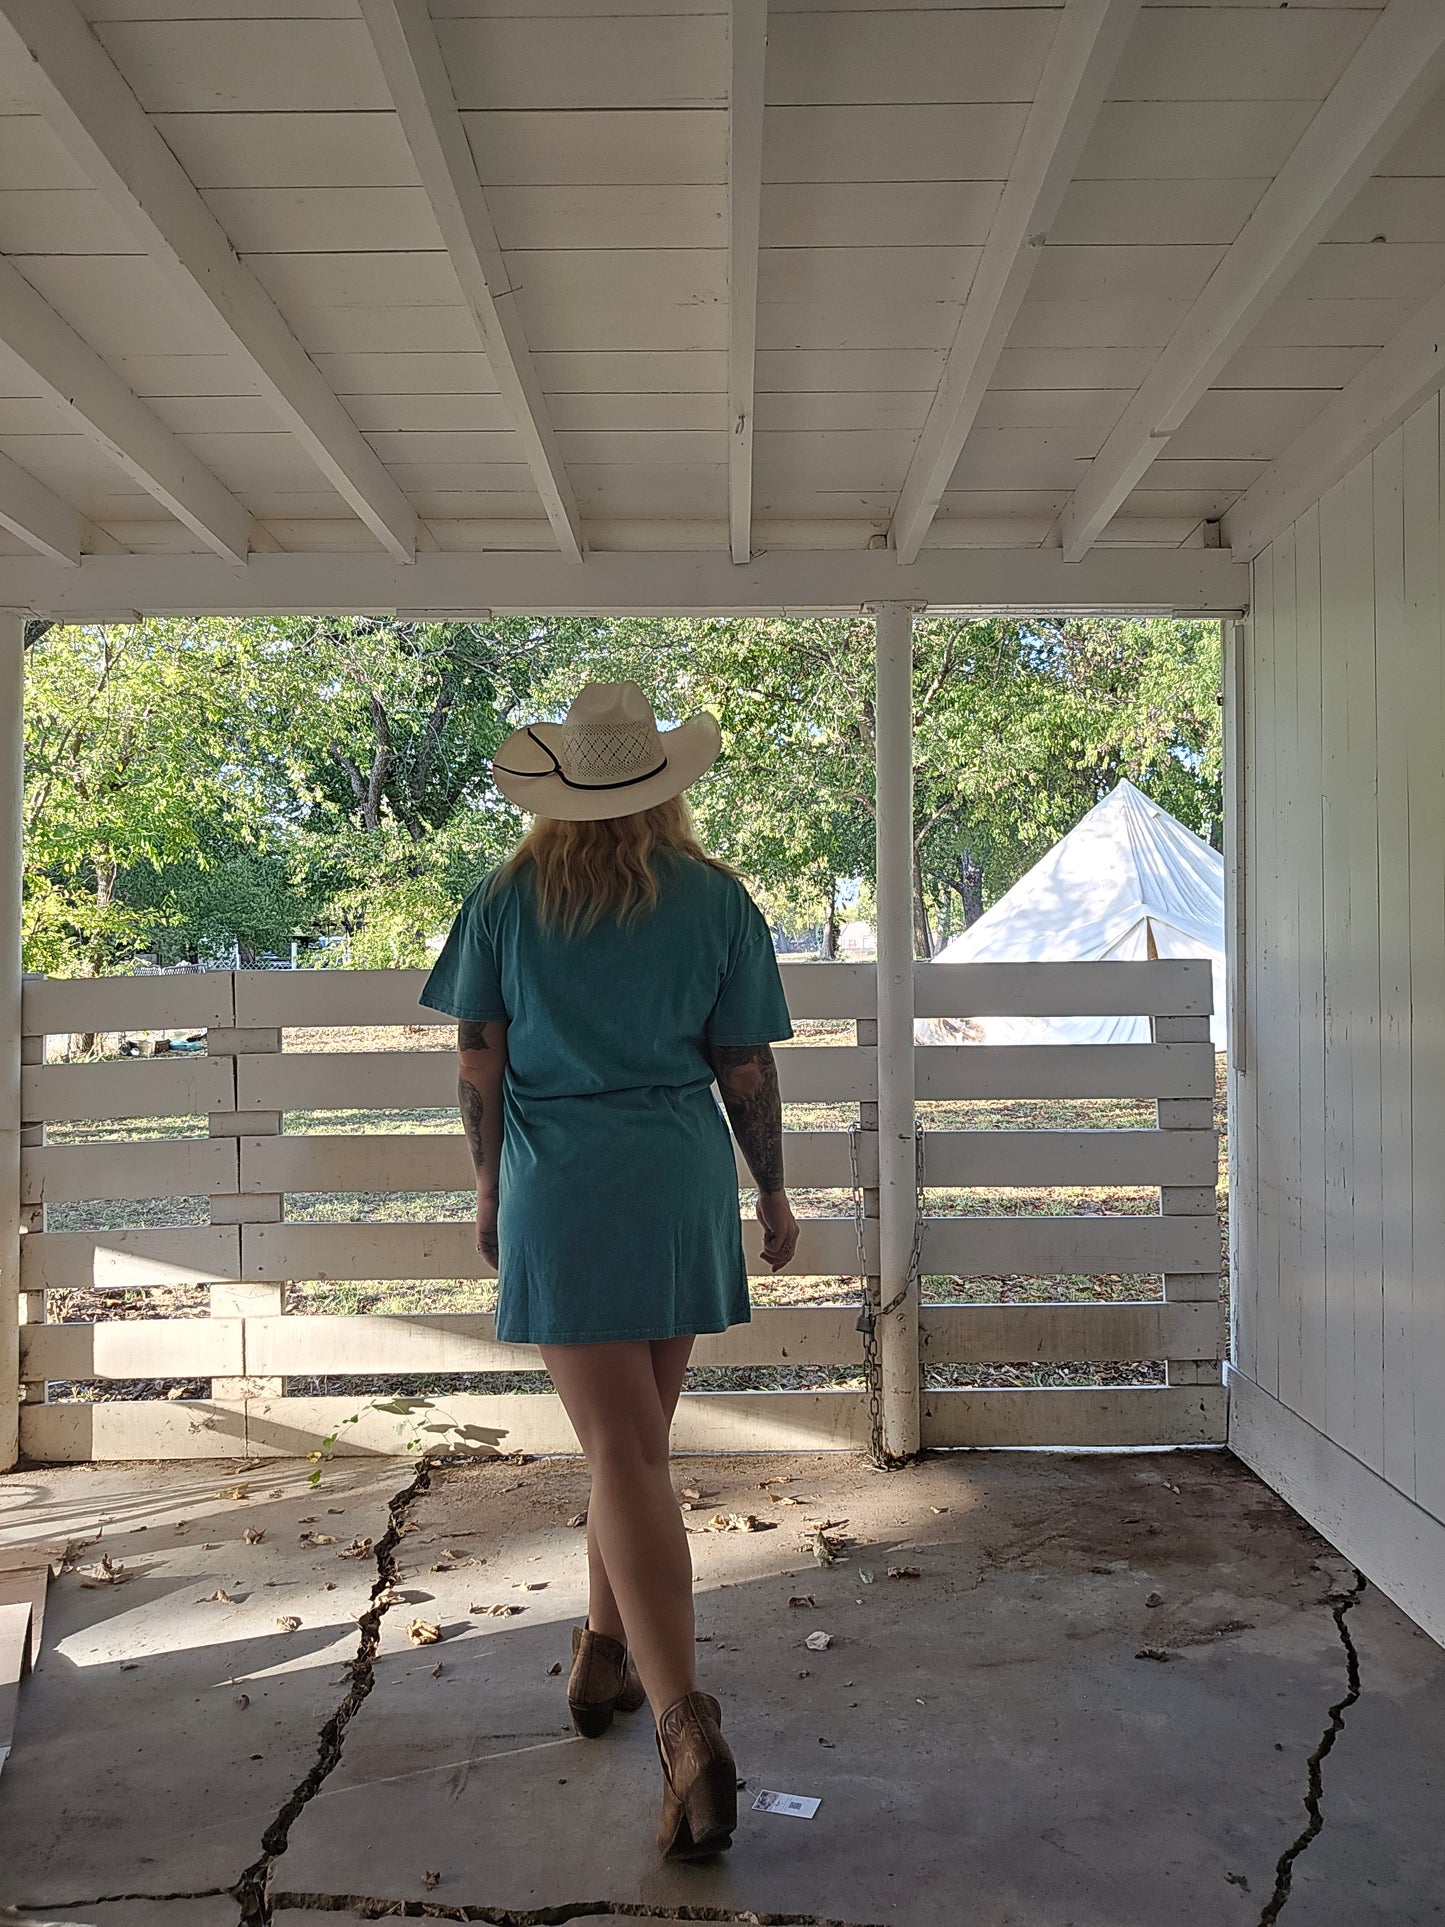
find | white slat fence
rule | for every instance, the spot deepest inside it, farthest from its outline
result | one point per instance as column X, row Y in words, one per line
column 248, row 1347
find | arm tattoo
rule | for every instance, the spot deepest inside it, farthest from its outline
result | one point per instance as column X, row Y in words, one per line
column 747, row 1076
column 471, row 1036
column 469, row 1100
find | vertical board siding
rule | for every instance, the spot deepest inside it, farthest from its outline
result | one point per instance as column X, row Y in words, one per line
column 1340, row 1110
column 1308, row 831
column 1425, row 606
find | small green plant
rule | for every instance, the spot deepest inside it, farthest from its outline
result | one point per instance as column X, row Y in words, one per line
column 427, row 1438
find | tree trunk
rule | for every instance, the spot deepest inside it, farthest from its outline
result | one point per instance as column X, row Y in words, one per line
column 105, row 874
column 970, row 886
column 922, row 935
column 830, row 922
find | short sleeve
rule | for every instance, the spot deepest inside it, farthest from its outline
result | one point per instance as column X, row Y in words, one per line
column 464, row 980
column 751, row 1007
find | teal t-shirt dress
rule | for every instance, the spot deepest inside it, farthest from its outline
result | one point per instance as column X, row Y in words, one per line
column 618, row 1208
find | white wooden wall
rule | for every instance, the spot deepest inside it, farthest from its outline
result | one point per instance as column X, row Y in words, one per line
column 1339, row 1083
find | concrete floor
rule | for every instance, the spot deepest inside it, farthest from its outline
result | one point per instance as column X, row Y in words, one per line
column 1095, row 1707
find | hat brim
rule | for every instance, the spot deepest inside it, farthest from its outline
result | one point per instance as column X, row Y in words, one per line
column 691, row 750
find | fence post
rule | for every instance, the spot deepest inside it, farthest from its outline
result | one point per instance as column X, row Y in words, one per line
column 244, row 1297
column 897, row 1162
column 12, row 858
column 1188, row 1201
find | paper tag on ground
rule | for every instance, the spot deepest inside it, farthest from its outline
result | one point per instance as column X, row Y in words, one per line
column 801, row 1804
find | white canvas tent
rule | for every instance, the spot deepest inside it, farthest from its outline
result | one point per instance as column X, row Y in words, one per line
column 1127, row 881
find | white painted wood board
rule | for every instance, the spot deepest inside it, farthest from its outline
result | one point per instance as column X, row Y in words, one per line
column 133, row 1348
column 129, row 1260
column 27, row 1585
column 426, row 1080
column 1077, row 1415
column 1065, row 1070
column 132, row 1087
column 827, row 1247
column 1003, row 1334
column 187, row 1167
column 1180, row 987
column 1024, row 1157
column 1043, row 1247
column 440, row 1161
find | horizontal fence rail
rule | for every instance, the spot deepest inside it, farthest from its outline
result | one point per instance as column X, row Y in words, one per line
column 261, row 1137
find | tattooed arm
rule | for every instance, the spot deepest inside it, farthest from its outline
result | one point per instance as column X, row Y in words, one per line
column 747, row 1078
column 481, row 1060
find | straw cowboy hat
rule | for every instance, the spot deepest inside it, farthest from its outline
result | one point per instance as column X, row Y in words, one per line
column 608, row 758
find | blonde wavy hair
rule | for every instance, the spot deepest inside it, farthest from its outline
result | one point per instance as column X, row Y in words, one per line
column 584, row 873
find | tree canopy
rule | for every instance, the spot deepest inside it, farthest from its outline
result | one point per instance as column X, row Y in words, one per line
column 199, row 787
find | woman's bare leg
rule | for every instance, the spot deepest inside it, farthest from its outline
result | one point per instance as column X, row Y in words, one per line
column 620, row 1399
column 669, row 1370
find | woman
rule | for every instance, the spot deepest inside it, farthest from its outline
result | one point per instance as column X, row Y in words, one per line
column 604, row 978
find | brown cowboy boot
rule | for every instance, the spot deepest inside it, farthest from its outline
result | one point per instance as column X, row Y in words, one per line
column 699, row 1794
column 603, row 1681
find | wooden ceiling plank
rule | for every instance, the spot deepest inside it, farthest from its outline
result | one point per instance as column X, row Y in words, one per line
column 1185, row 581
column 88, row 105
column 748, row 50
column 405, row 41
column 91, row 396
column 1085, row 51
column 1390, row 80
column 1388, row 389
column 31, row 511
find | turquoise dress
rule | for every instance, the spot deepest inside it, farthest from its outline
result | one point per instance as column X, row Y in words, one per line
column 618, row 1208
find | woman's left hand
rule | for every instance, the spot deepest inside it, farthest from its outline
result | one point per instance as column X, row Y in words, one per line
column 487, row 1225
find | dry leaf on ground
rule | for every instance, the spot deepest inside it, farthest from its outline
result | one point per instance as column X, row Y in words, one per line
column 108, row 1573
column 738, row 1522
column 554, row 1669
column 430, row 1880
column 224, row 1598
column 802, row 1599
column 423, row 1632
column 905, row 1572
column 235, row 1492
column 358, row 1549
column 254, row 1535
column 578, row 1519
column 289, row 1623
column 818, row 1642
column 495, row 1612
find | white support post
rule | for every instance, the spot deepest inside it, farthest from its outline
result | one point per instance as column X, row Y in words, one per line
column 897, row 1164
column 12, row 786
column 244, row 1297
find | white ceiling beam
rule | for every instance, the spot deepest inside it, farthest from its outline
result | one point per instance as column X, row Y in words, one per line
column 82, row 96
column 749, row 47
column 1185, row 581
column 29, row 509
column 411, row 60
column 1398, row 68
column 93, row 398
column 1086, row 47
column 1387, row 390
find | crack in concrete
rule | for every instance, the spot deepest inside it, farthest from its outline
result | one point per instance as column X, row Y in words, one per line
column 369, row 1907
column 26, row 1913
column 1340, row 1604
column 253, row 1889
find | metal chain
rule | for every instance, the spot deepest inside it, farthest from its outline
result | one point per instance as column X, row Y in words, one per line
column 870, row 1313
